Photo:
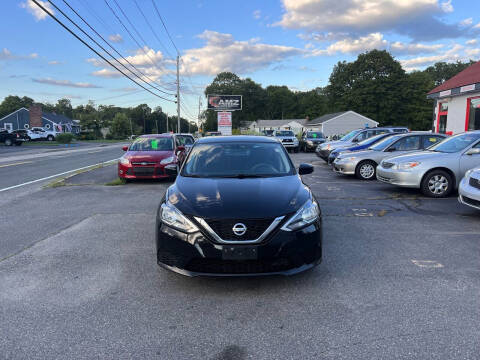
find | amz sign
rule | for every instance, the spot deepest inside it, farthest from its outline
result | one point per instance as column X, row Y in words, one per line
column 224, row 102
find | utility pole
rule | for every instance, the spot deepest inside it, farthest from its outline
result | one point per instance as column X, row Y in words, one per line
column 199, row 105
column 178, row 93
column 167, row 121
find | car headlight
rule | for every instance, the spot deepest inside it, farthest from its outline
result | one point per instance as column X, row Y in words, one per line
column 468, row 173
column 309, row 142
column 167, row 160
column 124, row 161
column 171, row 216
column 307, row 214
column 347, row 159
column 408, row 165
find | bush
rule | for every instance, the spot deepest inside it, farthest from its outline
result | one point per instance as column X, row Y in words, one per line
column 64, row 138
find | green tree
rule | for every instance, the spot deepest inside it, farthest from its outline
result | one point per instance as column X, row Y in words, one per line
column 120, row 128
column 417, row 109
column 64, row 107
column 12, row 103
column 442, row 71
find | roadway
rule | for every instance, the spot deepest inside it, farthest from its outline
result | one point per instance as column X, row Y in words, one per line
column 22, row 167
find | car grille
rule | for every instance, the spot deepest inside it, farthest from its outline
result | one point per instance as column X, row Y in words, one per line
column 223, row 228
column 387, row 165
column 475, row 183
column 144, row 163
column 471, row 201
column 144, row 171
column 239, row 267
column 287, row 141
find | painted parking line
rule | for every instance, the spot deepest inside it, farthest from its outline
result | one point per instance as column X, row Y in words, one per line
column 56, row 175
column 427, row 263
column 18, row 163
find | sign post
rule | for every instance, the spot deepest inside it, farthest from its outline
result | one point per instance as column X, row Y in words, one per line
column 224, row 122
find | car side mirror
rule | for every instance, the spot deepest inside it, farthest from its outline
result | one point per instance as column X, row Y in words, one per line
column 355, row 140
column 171, row 170
column 473, row 151
column 305, row 169
column 125, row 148
column 180, row 148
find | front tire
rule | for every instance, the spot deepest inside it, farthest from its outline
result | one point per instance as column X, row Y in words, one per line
column 8, row 142
column 366, row 170
column 437, row 184
column 50, row 138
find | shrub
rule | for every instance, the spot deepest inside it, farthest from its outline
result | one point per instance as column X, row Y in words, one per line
column 64, row 138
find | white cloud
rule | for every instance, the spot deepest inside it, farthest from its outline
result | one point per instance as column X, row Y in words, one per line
column 477, row 26
column 257, row 14
column 399, row 48
column 453, row 54
column 415, row 18
column 107, row 73
column 447, row 6
column 36, row 11
column 471, row 42
column 116, row 38
column 354, row 46
column 223, row 53
column 54, row 62
column 466, row 22
column 6, row 54
column 66, row 83
column 472, row 53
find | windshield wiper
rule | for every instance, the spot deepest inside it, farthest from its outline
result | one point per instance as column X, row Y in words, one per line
column 243, row 176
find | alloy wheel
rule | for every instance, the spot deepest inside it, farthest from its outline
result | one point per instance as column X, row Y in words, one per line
column 438, row 184
column 367, row 171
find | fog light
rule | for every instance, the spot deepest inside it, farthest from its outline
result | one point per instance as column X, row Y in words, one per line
column 121, row 172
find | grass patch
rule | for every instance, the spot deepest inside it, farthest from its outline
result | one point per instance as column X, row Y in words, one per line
column 116, row 182
column 40, row 143
column 55, row 184
column 104, row 141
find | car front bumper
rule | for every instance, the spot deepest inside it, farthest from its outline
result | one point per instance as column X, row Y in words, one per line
column 345, row 168
column 313, row 146
column 323, row 154
column 409, row 179
column 468, row 195
column 282, row 253
column 130, row 171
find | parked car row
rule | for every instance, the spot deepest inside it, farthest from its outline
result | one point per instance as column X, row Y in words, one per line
column 434, row 163
column 17, row 137
column 10, row 139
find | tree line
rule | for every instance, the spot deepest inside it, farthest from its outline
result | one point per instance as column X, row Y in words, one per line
column 374, row 85
column 121, row 121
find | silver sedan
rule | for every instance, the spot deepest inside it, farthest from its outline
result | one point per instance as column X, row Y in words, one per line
column 469, row 189
column 436, row 171
column 363, row 164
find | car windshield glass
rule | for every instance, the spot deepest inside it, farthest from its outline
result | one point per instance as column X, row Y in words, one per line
column 152, row 144
column 456, row 143
column 382, row 145
column 314, row 135
column 227, row 159
column 350, row 135
column 284, row 133
column 185, row 140
column 372, row 140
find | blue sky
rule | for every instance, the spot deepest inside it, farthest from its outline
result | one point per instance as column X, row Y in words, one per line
column 281, row 42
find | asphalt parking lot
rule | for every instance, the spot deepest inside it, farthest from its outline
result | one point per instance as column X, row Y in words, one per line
column 400, row 279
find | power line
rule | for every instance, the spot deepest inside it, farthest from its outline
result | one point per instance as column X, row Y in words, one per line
column 152, row 29
column 95, row 51
column 101, row 47
column 163, row 23
column 129, row 33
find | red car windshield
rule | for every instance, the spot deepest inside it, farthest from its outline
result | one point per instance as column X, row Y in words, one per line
column 152, row 144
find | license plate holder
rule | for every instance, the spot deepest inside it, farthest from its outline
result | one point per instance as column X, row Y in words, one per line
column 239, row 253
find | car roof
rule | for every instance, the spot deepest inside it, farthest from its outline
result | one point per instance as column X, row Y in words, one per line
column 237, row 138
column 156, row 136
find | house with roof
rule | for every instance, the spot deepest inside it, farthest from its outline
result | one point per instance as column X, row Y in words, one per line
column 340, row 123
column 296, row 125
column 34, row 117
column 457, row 102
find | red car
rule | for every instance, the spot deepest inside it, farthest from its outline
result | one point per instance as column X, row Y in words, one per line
column 151, row 157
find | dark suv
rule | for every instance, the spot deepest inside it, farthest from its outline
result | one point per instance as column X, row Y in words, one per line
column 310, row 140
column 10, row 139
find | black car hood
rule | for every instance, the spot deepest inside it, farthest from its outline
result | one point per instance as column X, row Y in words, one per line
column 248, row 198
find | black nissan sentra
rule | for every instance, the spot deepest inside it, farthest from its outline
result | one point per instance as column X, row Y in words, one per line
column 239, row 207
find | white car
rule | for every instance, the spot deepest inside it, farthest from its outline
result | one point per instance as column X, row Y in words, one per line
column 44, row 134
column 469, row 189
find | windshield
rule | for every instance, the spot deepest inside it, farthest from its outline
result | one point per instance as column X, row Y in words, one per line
column 382, row 145
column 373, row 139
column 185, row 140
column 456, row 143
column 314, row 135
column 350, row 135
column 152, row 144
column 284, row 133
column 237, row 160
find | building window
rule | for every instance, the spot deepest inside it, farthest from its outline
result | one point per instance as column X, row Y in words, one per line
column 26, row 126
column 473, row 114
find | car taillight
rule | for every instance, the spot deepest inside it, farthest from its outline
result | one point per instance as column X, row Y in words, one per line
column 18, row 136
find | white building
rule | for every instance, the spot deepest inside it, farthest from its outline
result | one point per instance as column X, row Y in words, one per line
column 340, row 123
column 457, row 102
column 296, row 125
